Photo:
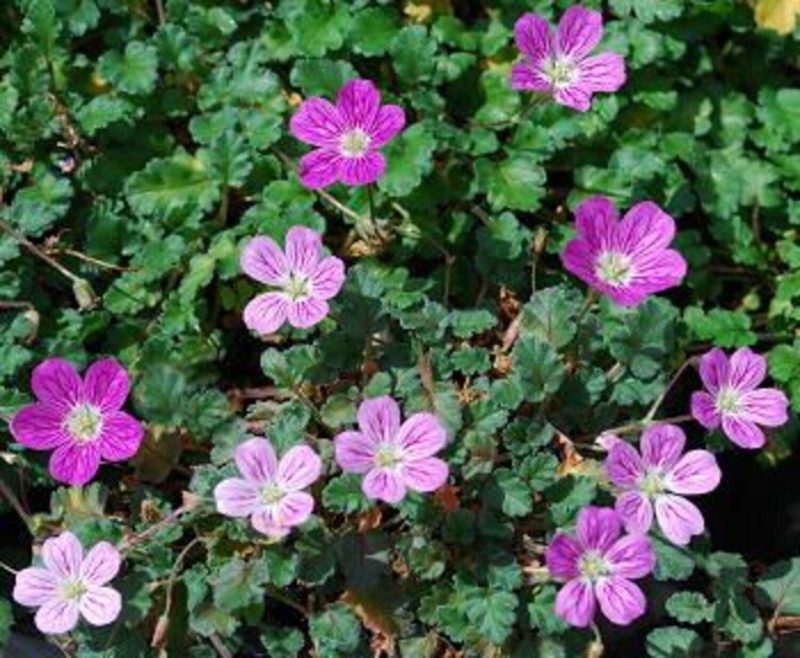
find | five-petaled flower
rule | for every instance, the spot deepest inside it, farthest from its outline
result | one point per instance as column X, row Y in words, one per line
column 598, row 566
column 270, row 491
column 658, row 478
column 71, row 585
column 80, row 420
column 732, row 397
column 559, row 63
column 347, row 135
column 305, row 281
column 395, row 457
column 626, row 259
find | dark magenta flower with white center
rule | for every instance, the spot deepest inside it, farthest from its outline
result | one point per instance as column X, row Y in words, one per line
column 628, row 259
column 270, row 491
column 80, row 420
column 71, row 585
column 348, row 136
column 304, row 279
column 733, row 399
column 559, row 63
column 393, row 457
column 658, row 479
column 598, row 565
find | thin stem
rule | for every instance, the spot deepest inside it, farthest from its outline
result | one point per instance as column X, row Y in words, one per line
column 371, row 200
column 93, row 260
column 591, row 297
column 10, row 570
column 222, row 650
column 52, row 262
column 275, row 593
column 12, row 499
column 162, row 18
column 15, row 305
column 641, row 424
column 314, row 411
column 654, row 408
column 168, row 520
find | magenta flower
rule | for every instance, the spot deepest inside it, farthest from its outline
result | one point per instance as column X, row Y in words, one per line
column 80, row 420
column 598, row 566
column 653, row 479
column 71, row 585
column 271, row 491
column 304, row 278
column 394, row 457
column 732, row 397
column 626, row 260
column 347, row 135
column 559, row 64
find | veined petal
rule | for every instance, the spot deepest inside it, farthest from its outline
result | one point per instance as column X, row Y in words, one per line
column 621, row 601
column 57, row 616
column 623, row 464
column 659, row 271
column 263, row 260
column 39, row 426
column 317, row 122
column 120, row 437
column 526, row 77
column 355, row 452
column 714, row 370
column 597, row 527
column 106, row 384
column 635, row 511
column 305, row 313
column 293, row 509
column 562, row 557
column 421, row 435
column 101, row 564
column 743, row 432
column 63, row 555
column 576, row 96
column 100, row 605
column 383, row 484
column 56, row 383
column 358, row 103
column 631, row 556
column 319, row 169
column 389, row 121
column 697, row 472
column 704, row 410
column 264, row 523
column 604, row 72
column 645, row 229
column 267, row 312
column 379, row 418
column 327, row 278
column 75, row 464
column 596, row 221
column 678, row 519
column 662, row 445
column 747, row 369
column 765, row 406
column 34, row 587
column 299, row 468
column 575, row 603
column 579, row 31
column 362, row 170
column 236, row 497
column 424, row 475
column 256, row 460
column 303, row 249
column 532, row 36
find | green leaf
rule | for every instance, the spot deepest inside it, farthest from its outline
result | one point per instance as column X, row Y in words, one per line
column 517, row 499
column 321, row 77
column 467, row 323
column 723, row 328
column 38, row 206
column 372, row 31
column 316, row 26
column 6, row 620
column 335, row 631
column 779, row 587
column 239, row 583
column 672, row 563
column 493, row 614
column 409, row 159
column 41, row 23
column 542, row 613
column 550, row 315
column 282, row 642
column 343, row 494
column 538, row 367
column 133, row 71
column 674, row 642
column 689, row 607
column 413, row 53
column 516, row 182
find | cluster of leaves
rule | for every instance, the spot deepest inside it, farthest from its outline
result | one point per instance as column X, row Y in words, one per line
column 142, row 143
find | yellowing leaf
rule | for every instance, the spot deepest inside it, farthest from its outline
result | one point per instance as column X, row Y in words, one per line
column 777, row 15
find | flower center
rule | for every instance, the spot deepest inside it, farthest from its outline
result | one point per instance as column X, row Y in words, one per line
column 652, row 484
column 84, row 423
column 297, row 287
column 73, row 590
column 271, row 494
column 559, row 70
column 593, row 565
column 354, row 143
column 728, row 400
column 388, row 456
column 614, row 268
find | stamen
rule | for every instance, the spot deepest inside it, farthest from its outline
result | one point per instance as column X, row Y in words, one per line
column 614, row 268
column 84, row 423
column 388, row 455
column 560, row 71
column 354, row 143
column 593, row 565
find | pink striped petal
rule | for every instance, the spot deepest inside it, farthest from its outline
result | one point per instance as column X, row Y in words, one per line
column 659, row 272
column 678, row 519
column 267, row 312
column 575, row 603
column 355, row 452
column 743, row 432
column 379, row 418
column 635, row 511
column 358, row 103
column 303, row 249
column 597, row 527
column 327, row 278
column 106, row 384
column 120, row 437
column 389, row 121
column 263, row 260
column 697, row 472
column 39, row 427
column 596, row 221
column 317, row 122
column 100, row 605
column 662, row 445
column 35, row 587
column 298, row 468
column 383, row 484
column 562, row 557
column 256, row 460
column 645, row 230
column 579, row 31
column 623, row 464
column 575, row 96
column 424, row 475
column 305, row 313
column 63, row 555
column 714, row 370
column 362, row 170
column 525, row 77
column 236, row 497
column 765, row 406
column 57, row 616
column 75, row 464
column 319, row 169
column 264, row 523
column 604, row 72
column 101, row 564
column 631, row 556
column 56, row 382
column 293, row 509
column 747, row 369
column 533, row 38
column 620, row 600
column 704, row 410
column 422, row 435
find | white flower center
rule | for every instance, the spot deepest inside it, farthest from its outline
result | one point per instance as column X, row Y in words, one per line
column 652, row 483
column 614, row 268
column 84, row 422
column 388, row 455
column 272, row 494
column 728, row 401
column 592, row 565
column 560, row 71
column 73, row 590
column 354, row 143
column 298, row 286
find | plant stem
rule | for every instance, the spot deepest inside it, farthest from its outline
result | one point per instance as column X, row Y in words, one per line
column 168, row 520
column 10, row 570
column 641, row 424
column 12, row 499
column 275, row 593
column 371, row 200
column 52, row 262
column 654, row 408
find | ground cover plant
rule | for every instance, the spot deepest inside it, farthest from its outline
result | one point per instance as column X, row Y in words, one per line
column 429, row 329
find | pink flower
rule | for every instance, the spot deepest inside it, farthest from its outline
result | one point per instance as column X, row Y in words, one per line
column 81, row 421
column 394, row 457
column 732, row 397
column 70, row 585
column 347, row 135
column 598, row 566
column 271, row 491
column 559, row 64
column 626, row 260
column 653, row 478
column 305, row 280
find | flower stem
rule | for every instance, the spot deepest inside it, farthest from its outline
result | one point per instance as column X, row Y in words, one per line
column 371, row 200
column 10, row 570
column 654, row 408
column 642, row 424
column 12, row 499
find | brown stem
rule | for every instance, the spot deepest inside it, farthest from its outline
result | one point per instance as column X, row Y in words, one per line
column 12, row 499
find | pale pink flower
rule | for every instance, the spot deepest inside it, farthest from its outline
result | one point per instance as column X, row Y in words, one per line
column 348, row 135
column 659, row 479
column 560, row 64
column 270, row 492
column 70, row 585
column 304, row 279
column 393, row 457
column 80, row 420
column 734, row 400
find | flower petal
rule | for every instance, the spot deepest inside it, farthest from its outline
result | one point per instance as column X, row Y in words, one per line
column 121, row 436
column 39, row 427
column 63, row 555
column 596, row 222
column 293, row 509
column 106, row 384
column 631, row 556
column 319, row 168
column 263, row 260
column 303, row 249
column 579, row 257
column 424, row 475
column 623, row 464
column 635, row 511
column 575, row 603
column 383, row 484
column 422, row 435
column 267, row 312
column 389, row 121
column 305, row 313
column 57, row 616
column 743, row 432
column 379, row 418
column 696, row 472
column 317, row 122
column 576, row 96
column 525, row 77
column 658, row 272
column 264, row 523
column 355, row 453
column 358, row 103
column 256, row 460
column 604, row 72
column 299, row 468
column 597, row 527
column 645, row 230
column 579, row 31
column 662, row 445
column 236, row 497
column 532, row 36
column 101, row 564
column 75, row 464
column 747, row 369
column 100, row 605
column 765, row 406
column 562, row 557
column 56, row 383
column 704, row 410
column 678, row 519
column 35, row 587
column 327, row 278
column 362, row 170
column 714, row 370
column 620, row 600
